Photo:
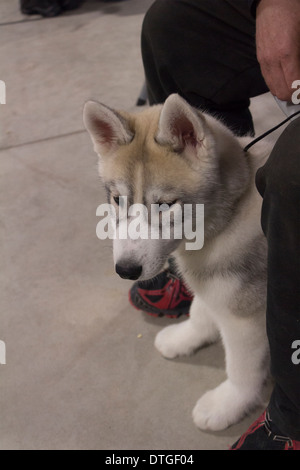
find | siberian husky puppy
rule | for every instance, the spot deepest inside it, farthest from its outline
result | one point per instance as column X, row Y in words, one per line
column 175, row 155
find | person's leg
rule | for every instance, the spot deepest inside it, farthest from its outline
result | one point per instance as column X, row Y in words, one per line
column 205, row 51
column 279, row 184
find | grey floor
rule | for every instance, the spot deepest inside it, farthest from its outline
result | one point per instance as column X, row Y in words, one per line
column 81, row 369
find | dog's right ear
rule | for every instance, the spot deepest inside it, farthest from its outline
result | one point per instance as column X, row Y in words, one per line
column 107, row 128
column 180, row 126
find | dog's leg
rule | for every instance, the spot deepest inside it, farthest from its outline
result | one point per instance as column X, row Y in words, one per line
column 183, row 339
column 246, row 351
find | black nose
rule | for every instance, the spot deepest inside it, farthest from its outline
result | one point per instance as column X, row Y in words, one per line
column 128, row 271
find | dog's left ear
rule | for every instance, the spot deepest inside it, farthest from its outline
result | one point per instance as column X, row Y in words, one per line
column 180, row 126
column 107, row 128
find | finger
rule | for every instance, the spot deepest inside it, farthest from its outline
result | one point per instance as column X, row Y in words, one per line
column 274, row 76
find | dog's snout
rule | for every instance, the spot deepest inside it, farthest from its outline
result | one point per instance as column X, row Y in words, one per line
column 129, row 271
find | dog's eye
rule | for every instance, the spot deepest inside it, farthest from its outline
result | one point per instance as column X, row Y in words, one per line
column 120, row 201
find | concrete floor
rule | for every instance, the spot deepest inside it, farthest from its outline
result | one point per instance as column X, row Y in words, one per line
column 77, row 375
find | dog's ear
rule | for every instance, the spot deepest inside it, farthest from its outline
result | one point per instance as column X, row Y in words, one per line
column 107, row 128
column 180, row 126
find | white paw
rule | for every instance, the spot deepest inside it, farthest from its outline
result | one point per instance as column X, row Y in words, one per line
column 177, row 340
column 220, row 408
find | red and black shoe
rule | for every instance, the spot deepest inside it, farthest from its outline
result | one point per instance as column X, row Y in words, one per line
column 165, row 295
column 263, row 434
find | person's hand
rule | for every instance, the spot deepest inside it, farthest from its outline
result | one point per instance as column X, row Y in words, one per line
column 278, row 44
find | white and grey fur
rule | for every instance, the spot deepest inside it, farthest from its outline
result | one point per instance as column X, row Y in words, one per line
column 176, row 153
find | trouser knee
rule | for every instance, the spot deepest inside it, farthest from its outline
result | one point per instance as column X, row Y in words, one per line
column 280, row 176
column 205, row 51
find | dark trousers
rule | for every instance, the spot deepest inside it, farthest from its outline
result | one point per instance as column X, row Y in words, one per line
column 205, row 51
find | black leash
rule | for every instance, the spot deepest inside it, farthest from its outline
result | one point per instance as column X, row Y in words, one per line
column 270, row 131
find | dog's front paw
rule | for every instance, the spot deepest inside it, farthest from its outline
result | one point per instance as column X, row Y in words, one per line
column 220, row 408
column 177, row 340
